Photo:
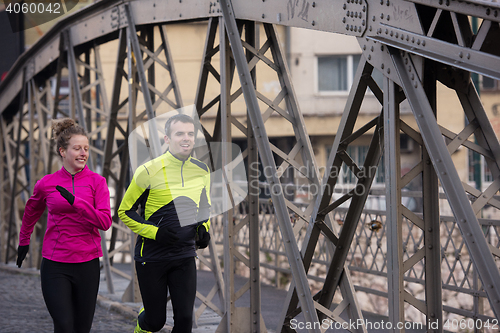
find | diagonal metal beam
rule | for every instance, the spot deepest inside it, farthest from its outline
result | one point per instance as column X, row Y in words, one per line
column 450, row 180
column 295, row 258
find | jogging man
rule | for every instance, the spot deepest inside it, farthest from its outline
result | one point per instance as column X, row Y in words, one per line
column 173, row 194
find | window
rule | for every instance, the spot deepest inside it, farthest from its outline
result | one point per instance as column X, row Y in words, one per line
column 489, row 84
column 335, row 73
column 478, row 169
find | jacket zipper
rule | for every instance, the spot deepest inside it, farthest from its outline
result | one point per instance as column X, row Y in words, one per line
column 182, row 177
column 73, row 183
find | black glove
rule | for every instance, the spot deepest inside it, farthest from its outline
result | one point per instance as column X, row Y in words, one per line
column 22, row 251
column 66, row 194
column 203, row 237
column 166, row 236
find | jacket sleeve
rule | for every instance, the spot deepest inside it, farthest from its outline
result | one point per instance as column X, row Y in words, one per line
column 203, row 217
column 137, row 193
column 35, row 206
column 100, row 215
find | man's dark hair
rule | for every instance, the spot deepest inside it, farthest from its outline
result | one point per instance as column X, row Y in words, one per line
column 183, row 118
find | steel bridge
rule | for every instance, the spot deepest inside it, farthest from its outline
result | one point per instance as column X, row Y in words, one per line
column 413, row 43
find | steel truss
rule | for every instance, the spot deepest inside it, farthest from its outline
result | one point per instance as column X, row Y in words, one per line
column 414, row 44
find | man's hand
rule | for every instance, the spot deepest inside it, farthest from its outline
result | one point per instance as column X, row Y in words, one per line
column 22, row 251
column 203, row 237
column 66, row 194
column 166, row 236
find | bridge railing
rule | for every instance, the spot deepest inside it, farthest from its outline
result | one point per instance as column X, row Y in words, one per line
column 464, row 299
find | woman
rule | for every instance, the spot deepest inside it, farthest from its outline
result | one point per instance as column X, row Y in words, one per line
column 78, row 205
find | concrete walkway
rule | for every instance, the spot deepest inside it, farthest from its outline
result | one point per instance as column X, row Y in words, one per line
column 22, row 308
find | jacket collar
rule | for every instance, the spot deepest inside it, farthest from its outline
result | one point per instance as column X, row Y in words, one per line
column 171, row 158
column 78, row 174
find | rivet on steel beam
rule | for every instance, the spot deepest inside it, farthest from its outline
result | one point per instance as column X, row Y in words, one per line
column 468, row 56
column 343, row 20
column 364, row 9
column 406, row 61
column 382, row 48
column 263, row 15
column 430, row 229
column 371, row 48
column 364, row 47
column 413, row 39
column 387, row 3
column 382, row 66
column 443, row 173
column 423, row 43
column 381, row 2
column 430, row 246
column 418, row 41
column 388, row 17
column 314, row 4
column 388, row 71
column 370, row 28
column 373, row 18
column 313, row 23
column 355, row 14
column 382, row 15
column 369, row 57
column 347, row 27
column 416, row 86
column 397, row 35
column 488, row 11
column 392, row 33
column 386, row 31
column 461, row 54
column 344, row 7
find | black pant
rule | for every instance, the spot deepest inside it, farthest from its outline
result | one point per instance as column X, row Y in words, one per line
column 156, row 279
column 70, row 293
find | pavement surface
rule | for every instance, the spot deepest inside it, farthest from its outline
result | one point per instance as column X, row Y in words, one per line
column 22, row 308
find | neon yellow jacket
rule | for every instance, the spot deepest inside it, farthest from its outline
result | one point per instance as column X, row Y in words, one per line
column 170, row 192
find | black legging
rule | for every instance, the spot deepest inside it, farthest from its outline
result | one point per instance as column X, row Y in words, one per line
column 70, row 293
column 156, row 279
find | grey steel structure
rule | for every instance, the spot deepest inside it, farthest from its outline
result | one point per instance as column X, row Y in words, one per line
column 414, row 44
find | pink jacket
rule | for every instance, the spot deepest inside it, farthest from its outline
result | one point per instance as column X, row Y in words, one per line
column 72, row 233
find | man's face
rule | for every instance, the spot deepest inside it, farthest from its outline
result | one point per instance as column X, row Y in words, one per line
column 181, row 140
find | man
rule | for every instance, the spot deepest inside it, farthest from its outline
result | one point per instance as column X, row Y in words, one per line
column 173, row 192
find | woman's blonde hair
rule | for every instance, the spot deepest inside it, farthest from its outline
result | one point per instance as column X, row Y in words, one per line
column 63, row 129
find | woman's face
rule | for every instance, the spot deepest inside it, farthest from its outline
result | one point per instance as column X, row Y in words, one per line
column 75, row 156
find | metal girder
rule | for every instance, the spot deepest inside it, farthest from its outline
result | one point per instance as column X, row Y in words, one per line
column 448, row 176
column 295, row 259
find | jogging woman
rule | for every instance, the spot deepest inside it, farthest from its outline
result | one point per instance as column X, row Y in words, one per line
column 78, row 206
